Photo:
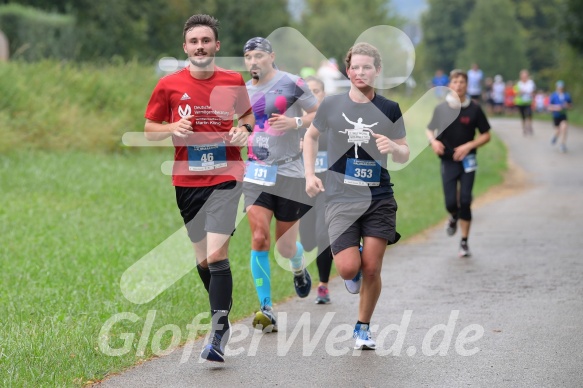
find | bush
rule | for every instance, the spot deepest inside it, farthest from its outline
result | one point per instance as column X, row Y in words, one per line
column 71, row 106
column 34, row 35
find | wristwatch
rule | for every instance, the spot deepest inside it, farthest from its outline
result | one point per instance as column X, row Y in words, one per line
column 299, row 122
column 248, row 127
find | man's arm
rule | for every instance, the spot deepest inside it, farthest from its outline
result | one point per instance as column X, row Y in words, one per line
column 240, row 134
column 435, row 144
column 309, row 116
column 281, row 122
column 401, row 152
column 247, row 118
column 399, row 149
column 461, row 151
column 313, row 184
column 311, row 139
column 158, row 130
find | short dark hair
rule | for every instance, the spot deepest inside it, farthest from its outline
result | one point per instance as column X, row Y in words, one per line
column 202, row 20
column 363, row 49
column 458, row 73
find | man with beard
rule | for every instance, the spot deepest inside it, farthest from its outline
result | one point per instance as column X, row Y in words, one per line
column 274, row 178
column 196, row 106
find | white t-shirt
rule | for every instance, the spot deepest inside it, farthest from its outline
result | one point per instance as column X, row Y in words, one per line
column 498, row 92
column 474, row 82
column 526, row 90
column 329, row 75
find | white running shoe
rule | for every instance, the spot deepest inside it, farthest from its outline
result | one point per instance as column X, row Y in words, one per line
column 353, row 285
column 363, row 337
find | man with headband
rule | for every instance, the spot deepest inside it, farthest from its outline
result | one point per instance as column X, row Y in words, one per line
column 274, row 178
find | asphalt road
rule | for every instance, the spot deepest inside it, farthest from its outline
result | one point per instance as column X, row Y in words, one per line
column 511, row 315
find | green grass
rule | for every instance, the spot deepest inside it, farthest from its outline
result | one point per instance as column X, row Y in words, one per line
column 63, row 106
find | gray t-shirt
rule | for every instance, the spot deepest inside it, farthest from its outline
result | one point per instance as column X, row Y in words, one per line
column 348, row 127
column 285, row 94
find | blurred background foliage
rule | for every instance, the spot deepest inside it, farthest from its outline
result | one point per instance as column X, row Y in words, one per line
column 503, row 36
column 111, row 48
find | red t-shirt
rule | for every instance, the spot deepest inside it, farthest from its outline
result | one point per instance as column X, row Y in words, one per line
column 213, row 102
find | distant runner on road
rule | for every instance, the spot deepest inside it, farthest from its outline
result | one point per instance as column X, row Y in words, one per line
column 456, row 147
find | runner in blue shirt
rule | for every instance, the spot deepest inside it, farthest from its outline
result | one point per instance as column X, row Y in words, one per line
column 559, row 103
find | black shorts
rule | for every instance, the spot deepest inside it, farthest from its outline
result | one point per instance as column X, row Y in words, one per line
column 287, row 199
column 558, row 119
column 349, row 221
column 209, row 209
column 525, row 111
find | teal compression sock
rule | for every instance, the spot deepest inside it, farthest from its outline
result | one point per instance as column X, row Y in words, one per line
column 261, row 276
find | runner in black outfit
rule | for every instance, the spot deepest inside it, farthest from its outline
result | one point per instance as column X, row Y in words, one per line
column 456, row 147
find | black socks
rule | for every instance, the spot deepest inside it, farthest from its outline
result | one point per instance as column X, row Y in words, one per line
column 220, row 293
column 205, row 276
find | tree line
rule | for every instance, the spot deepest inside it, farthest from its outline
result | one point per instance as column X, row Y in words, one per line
column 150, row 29
column 503, row 36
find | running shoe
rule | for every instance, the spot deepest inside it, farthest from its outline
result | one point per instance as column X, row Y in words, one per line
column 265, row 320
column 323, row 295
column 464, row 249
column 451, row 226
column 563, row 148
column 363, row 337
column 353, row 285
column 553, row 140
column 215, row 349
column 302, row 283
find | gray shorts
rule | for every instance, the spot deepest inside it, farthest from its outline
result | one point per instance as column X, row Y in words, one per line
column 209, row 209
column 350, row 221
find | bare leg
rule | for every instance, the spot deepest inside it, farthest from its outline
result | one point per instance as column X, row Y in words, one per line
column 372, row 261
column 563, row 132
column 259, row 220
column 465, row 228
column 286, row 234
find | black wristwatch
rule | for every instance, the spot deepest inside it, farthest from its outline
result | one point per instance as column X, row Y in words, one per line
column 248, row 127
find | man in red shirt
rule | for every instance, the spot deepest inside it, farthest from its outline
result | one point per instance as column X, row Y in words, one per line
column 196, row 106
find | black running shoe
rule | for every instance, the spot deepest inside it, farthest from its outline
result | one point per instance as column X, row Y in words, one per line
column 451, row 226
column 464, row 249
column 302, row 283
column 215, row 350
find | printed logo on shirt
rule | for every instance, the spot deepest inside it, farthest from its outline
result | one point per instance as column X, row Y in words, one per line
column 186, row 111
column 465, row 120
column 185, row 96
column 359, row 134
